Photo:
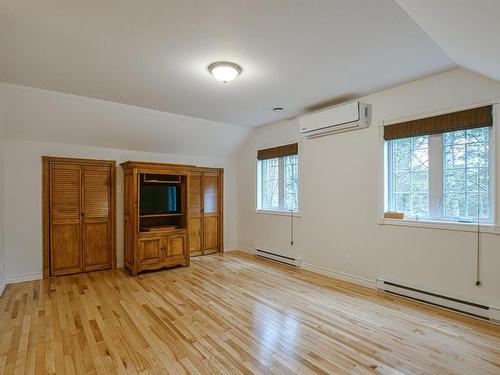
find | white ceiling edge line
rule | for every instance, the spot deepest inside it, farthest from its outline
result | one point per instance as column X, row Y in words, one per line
column 123, row 104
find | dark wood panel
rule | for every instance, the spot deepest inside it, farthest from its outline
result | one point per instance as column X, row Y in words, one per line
column 96, row 244
column 96, row 191
column 210, row 234
column 129, row 226
column 210, row 193
column 150, row 250
column 195, row 207
column 65, row 246
column 195, row 196
column 96, row 188
column 175, row 246
column 194, row 233
column 211, row 212
column 65, row 210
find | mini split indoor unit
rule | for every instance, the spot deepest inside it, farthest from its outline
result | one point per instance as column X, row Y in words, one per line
column 342, row 118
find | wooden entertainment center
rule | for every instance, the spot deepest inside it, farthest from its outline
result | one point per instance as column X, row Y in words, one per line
column 171, row 212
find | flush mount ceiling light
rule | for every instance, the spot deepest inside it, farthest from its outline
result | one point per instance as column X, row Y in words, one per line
column 224, row 71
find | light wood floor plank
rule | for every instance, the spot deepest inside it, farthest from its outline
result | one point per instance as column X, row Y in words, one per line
column 232, row 314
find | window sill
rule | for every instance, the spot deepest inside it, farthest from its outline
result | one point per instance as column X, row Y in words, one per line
column 443, row 225
column 278, row 213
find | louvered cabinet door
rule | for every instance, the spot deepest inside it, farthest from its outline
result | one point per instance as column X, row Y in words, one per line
column 65, row 216
column 195, row 214
column 96, row 228
column 211, row 212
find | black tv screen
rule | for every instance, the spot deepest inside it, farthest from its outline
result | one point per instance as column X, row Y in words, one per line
column 159, row 199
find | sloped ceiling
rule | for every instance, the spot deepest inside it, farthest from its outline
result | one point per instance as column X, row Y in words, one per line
column 467, row 30
column 48, row 116
column 154, row 54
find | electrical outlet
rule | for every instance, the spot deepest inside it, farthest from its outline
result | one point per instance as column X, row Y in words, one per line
column 119, row 188
column 349, row 260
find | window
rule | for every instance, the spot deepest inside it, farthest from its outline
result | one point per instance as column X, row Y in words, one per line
column 409, row 176
column 442, row 176
column 467, row 174
column 277, row 181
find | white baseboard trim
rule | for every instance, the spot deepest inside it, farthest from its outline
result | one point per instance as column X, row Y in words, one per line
column 248, row 250
column 340, row 275
column 22, row 278
column 231, row 248
column 325, row 271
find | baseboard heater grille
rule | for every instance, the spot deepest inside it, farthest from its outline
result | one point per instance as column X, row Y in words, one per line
column 454, row 304
column 279, row 258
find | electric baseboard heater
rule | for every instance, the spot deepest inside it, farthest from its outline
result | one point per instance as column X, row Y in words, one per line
column 450, row 303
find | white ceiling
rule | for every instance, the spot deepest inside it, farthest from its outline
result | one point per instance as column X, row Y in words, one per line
column 467, row 30
column 154, row 54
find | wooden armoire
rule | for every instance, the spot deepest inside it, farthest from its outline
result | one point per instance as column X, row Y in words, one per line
column 157, row 236
column 78, row 215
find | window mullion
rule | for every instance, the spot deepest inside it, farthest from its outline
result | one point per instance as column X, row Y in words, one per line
column 436, row 176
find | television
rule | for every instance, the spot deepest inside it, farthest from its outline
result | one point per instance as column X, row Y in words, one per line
column 159, row 199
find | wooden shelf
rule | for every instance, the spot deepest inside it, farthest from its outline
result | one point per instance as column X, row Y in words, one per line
column 161, row 215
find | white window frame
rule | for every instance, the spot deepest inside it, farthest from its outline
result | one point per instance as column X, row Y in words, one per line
column 436, row 174
column 490, row 227
column 258, row 187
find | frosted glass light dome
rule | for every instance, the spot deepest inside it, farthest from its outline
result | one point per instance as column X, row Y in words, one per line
column 224, row 71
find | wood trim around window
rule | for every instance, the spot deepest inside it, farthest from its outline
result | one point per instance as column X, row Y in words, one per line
column 278, row 152
column 468, row 119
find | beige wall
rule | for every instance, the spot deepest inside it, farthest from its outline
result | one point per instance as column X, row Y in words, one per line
column 340, row 178
column 23, row 205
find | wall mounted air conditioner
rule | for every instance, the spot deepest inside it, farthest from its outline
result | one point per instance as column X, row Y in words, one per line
column 345, row 117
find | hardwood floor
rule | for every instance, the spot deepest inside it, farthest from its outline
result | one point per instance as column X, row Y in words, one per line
column 231, row 314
